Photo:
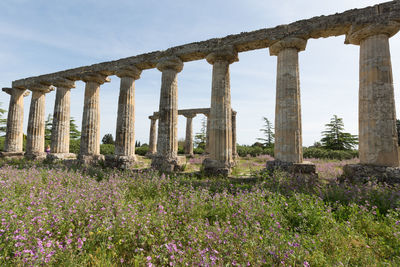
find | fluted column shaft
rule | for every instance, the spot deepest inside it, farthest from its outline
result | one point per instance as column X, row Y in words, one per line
column 61, row 120
column 15, row 118
column 189, row 135
column 234, row 151
column 377, row 114
column 288, row 135
column 153, row 136
column 167, row 141
column 36, row 123
column 125, row 131
column 90, row 136
column 220, row 158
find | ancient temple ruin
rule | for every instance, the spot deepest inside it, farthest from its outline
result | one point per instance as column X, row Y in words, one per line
column 370, row 28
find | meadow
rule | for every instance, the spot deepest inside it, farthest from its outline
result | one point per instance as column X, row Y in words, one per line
column 53, row 214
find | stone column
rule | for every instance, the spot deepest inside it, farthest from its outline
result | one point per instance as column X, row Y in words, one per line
column 377, row 114
column 13, row 145
column 189, row 134
column 36, row 123
column 125, row 132
column 90, row 138
column 234, row 152
column 61, row 120
column 153, row 136
column 220, row 159
column 288, row 137
column 167, row 142
column 207, row 148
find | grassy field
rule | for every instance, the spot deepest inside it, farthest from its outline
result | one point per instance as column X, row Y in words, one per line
column 74, row 216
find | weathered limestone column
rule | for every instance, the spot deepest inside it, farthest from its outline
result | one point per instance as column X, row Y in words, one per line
column 90, row 138
column 61, row 120
column 234, row 151
column 13, row 145
column 378, row 147
column 207, row 150
column 220, row 160
column 377, row 113
column 288, row 136
column 153, row 136
column 125, row 132
column 167, row 142
column 36, row 123
column 189, row 134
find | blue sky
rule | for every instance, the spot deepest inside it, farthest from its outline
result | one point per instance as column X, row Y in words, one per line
column 43, row 36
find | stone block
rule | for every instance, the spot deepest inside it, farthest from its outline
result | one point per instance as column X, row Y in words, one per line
column 171, row 164
column 364, row 173
column 304, row 167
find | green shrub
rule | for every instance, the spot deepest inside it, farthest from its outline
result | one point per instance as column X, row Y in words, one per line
column 253, row 151
column 198, row 150
column 320, row 153
column 74, row 146
column 107, row 149
column 2, row 138
column 142, row 150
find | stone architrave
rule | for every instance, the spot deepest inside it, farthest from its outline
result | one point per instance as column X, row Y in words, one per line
column 125, row 131
column 167, row 158
column 61, row 120
column 288, row 134
column 13, row 144
column 153, row 136
column 90, row 136
column 220, row 158
column 377, row 114
column 234, row 151
column 189, row 134
column 36, row 124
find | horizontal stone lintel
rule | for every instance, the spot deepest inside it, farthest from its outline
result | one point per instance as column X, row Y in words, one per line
column 316, row 27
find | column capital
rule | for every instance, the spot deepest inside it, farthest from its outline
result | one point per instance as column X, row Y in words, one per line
column 63, row 82
column 153, row 117
column 357, row 33
column 223, row 54
column 234, row 112
column 288, row 42
column 41, row 88
column 10, row 91
column 95, row 77
column 189, row 115
column 129, row 71
column 174, row 63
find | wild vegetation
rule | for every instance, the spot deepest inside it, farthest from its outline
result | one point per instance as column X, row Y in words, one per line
column 75, row 216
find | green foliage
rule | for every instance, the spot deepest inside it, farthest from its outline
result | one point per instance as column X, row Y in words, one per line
column 74, row 133
column 200, row 138
column 254, row 151
column 198, row 150
column 2, row 139
column 74, row 145
column 334, row 138
column 62, row 217
column 3, row 121
column 321, row 153
column 142, row 150
column 268, row 131
column 107, row 149
column 108, row 139
column 48, row 127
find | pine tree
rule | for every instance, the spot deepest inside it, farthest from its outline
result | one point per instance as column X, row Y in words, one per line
column 48, row 127
column 108, row 139
column 74, row 134
column 268, row 141
column 335, row 138
column 200, row 138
